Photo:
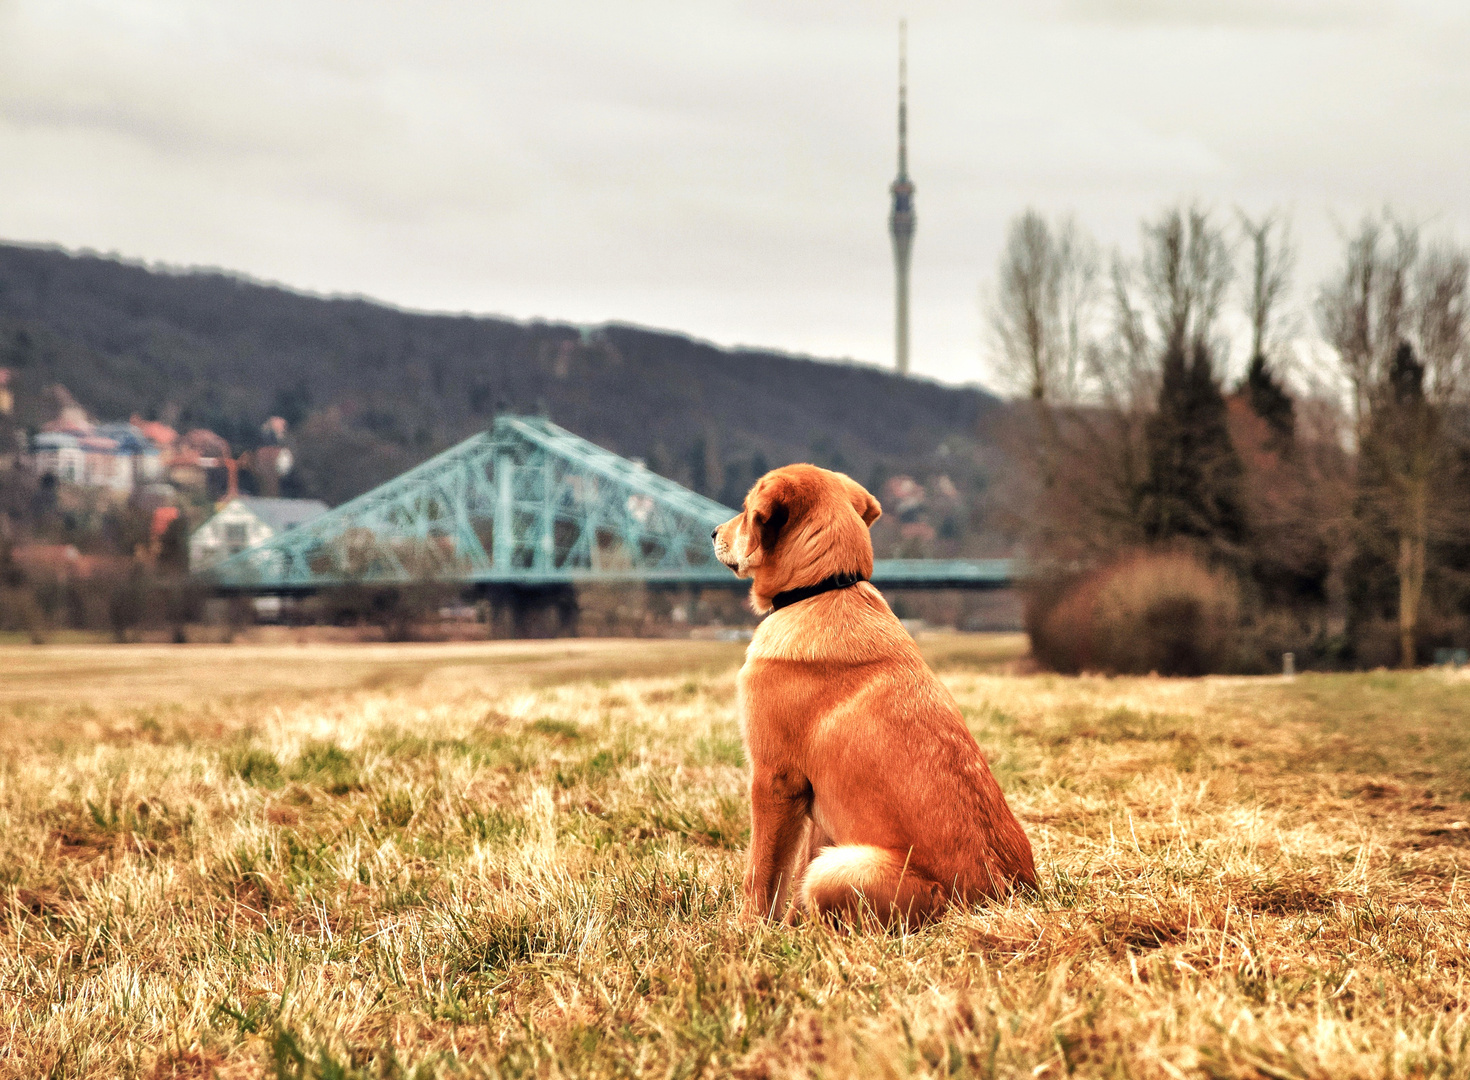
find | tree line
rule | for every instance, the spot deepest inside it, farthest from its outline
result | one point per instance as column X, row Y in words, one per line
column 1323, row 490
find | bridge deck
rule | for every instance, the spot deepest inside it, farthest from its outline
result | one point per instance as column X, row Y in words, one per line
column 968, row 574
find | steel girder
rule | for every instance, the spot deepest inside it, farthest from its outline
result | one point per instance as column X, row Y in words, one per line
column 971, row 574
column 526, row 503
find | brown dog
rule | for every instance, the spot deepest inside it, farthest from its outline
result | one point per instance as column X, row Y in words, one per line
column 867, row 791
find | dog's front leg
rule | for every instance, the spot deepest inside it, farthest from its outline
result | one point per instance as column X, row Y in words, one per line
column 779, row 804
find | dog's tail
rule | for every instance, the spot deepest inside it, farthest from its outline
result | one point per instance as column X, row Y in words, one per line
column 852, row 882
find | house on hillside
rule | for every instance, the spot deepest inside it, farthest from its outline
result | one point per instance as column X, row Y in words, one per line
column 136, row 457
column 245, row 521
column 60, row 454
column 195, row 455
column 156, row 432
column 76, row 449
column 113, row 456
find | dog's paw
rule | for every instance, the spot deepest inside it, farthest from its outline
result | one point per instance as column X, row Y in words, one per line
column 750, row 912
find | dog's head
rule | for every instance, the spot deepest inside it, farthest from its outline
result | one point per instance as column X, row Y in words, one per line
column 800, row 525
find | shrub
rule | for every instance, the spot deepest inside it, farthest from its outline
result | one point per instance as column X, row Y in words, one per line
column 1147, row 612
column 1057, row 619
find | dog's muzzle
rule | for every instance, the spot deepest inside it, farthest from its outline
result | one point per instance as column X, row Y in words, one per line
column 723, row 552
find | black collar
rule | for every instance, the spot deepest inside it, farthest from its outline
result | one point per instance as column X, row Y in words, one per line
column 806, row 592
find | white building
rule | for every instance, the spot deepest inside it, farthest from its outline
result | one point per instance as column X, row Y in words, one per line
column 245, row 521
column 137, row 457
column 60, row 454
column 114, row 456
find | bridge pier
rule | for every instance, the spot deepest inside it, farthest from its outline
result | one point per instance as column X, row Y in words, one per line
column 532, row 611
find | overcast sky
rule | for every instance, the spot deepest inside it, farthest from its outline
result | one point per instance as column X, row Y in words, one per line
column 715, row 168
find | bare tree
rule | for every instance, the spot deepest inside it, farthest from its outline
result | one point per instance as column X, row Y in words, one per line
column 1272, row 261
column 1396, row 316
column 1186, row 269
column 1361, row 312
column 1124, row 367
column 1400, row 458
column 1046, row 299
column 1078, row 297
column 1442, row 321
column 1041, row 326
column 1269, row 281
column 1023, row 306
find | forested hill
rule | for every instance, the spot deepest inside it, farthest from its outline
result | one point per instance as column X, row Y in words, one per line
column 371, row 390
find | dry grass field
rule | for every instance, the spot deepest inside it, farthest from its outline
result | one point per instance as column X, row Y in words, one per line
column 524, row 860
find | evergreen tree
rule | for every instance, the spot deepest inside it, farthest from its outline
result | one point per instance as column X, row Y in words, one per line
column 1269, row 400
column 1401, row 469
column 1193, row 486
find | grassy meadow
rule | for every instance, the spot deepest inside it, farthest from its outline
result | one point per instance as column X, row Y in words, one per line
column 523, row 860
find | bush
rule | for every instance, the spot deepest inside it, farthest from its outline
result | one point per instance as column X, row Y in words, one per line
column 1148, row 612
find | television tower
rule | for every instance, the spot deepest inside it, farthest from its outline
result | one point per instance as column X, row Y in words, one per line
column 901, row 217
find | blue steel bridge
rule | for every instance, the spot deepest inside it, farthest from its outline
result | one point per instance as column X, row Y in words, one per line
column 528, row 509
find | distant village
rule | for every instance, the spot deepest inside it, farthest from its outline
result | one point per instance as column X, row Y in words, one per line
column 175, row 480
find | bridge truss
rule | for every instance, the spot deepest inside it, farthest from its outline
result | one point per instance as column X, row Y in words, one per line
column 528, row 506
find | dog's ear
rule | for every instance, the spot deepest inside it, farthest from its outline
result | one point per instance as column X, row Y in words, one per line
column 863, row 502
column 767, row 509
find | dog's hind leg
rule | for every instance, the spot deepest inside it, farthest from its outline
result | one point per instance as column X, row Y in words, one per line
column 815, row 842
column 852, row 882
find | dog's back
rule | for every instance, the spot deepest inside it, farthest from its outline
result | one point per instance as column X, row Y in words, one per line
column 891, row 764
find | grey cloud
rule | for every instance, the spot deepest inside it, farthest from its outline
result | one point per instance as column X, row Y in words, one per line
column 1246, row 13
column 711, row 167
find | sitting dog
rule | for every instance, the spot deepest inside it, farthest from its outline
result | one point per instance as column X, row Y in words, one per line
column 867, row 792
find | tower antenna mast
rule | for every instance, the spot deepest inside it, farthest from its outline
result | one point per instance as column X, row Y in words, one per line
column 901, row 219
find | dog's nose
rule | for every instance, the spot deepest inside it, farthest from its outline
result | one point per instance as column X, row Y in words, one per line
column 714, row 534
